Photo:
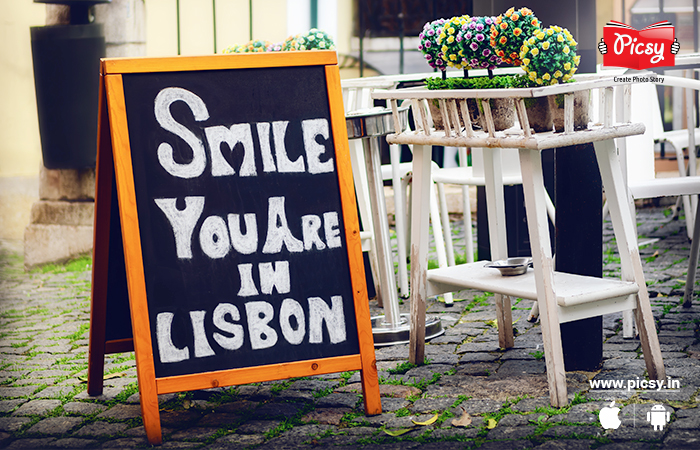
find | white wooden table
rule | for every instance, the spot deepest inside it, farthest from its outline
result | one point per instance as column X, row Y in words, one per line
column 561, row 297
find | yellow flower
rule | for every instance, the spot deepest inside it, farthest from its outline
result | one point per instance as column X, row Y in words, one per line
column 545, row 45
column 540, row 35
column 451, row 30
column 553, row 82
column 566, row 50
column 577, row 59
column 443, row 49
column 546, row 76
column 566, row 77
column 567, row 66
column 526, row 61
column 560, row 38
column 573, row 43
column 539, row 81
column 558, row 74
column 442, row 35
column 510, row 11
column 453, row 57
column 534, row 51
column 532, row 75
column 450, row 39
column 531, row 41
column 550, row 32
column 524, row 49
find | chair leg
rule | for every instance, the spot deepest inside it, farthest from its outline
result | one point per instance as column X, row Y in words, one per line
column 446, row 228
column 400, row 218
column 692, row 262
column 467, row 219
column 439, row 238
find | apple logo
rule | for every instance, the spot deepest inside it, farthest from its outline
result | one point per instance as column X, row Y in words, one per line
column 608, row 416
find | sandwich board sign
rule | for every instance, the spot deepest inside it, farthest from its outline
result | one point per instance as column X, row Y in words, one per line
column 227, row 246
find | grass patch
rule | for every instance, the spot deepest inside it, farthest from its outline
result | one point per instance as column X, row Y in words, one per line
column 81, row 264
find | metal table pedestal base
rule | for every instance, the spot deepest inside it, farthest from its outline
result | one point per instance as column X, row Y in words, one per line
column 384, row 334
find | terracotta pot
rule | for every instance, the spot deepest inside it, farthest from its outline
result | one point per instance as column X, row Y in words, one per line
column 503, row 112
column 581, row 110
column 539, row 115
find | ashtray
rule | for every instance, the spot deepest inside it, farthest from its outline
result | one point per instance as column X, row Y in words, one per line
column 511, row 266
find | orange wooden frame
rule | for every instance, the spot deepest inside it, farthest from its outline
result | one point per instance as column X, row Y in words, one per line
column 114, row 159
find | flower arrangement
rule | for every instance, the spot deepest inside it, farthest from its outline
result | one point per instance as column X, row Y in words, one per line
column 549, row 57
column 250, row 47
column 429, row 45
column 313, row 40
column 477, row 50
column 509, row 32
column 450, row 42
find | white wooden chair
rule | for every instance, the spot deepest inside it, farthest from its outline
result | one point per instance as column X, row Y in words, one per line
column 474, row 176
column 639, row 103
column 357, row 96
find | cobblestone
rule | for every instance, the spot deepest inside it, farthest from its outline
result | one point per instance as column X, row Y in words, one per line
column 44, row 320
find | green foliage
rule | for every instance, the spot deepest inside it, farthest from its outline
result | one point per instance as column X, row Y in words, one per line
column 537, row 355
column 497, row 82
column 76, row 265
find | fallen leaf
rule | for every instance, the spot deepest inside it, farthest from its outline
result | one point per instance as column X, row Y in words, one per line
column 397, row 432
column 427, row 422
column 491, row 424
column 464, row 420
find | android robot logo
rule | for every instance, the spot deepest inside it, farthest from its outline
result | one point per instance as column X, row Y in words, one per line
column 659, row 417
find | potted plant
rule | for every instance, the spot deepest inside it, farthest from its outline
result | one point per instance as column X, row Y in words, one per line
column 549, row 57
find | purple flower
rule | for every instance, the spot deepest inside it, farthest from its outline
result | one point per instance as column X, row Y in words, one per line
column 488, row 21
column 479, row 27
column 464, row 27
column 431, row 33
column 474, row 62
column 479, row 37
column 493, row 58
column 420, row 47
column 484, row 64
column 439, row 62
column 474, row 46
column 427, row 44
column 422, row 36
column 428, row 56
column 486, row 52
column 468, row 35
column 472, row 25
column 458, row 38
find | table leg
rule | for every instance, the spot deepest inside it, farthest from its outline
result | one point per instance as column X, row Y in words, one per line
column 630, row 261
column 420, row 201
column 538, row 227
column 498, row 238
column 381, row 231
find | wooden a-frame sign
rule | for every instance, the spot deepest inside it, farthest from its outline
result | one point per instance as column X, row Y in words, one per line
column 227, row 246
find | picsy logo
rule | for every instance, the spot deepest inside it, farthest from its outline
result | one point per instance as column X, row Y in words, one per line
column 652, row 46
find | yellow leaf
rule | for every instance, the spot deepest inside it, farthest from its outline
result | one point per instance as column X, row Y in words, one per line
column 427, row 422
column 491, row 424
column 464, row 420
column 397, row 432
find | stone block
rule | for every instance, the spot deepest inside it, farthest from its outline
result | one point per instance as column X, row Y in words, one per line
column 55, row 243
column 52, row 212
column 68, row 184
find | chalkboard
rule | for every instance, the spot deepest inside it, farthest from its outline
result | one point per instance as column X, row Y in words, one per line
column 238, row 224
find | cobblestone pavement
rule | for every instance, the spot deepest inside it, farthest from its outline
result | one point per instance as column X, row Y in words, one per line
column 44, row 321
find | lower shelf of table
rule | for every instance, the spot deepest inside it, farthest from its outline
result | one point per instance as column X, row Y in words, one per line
column 576, row 295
